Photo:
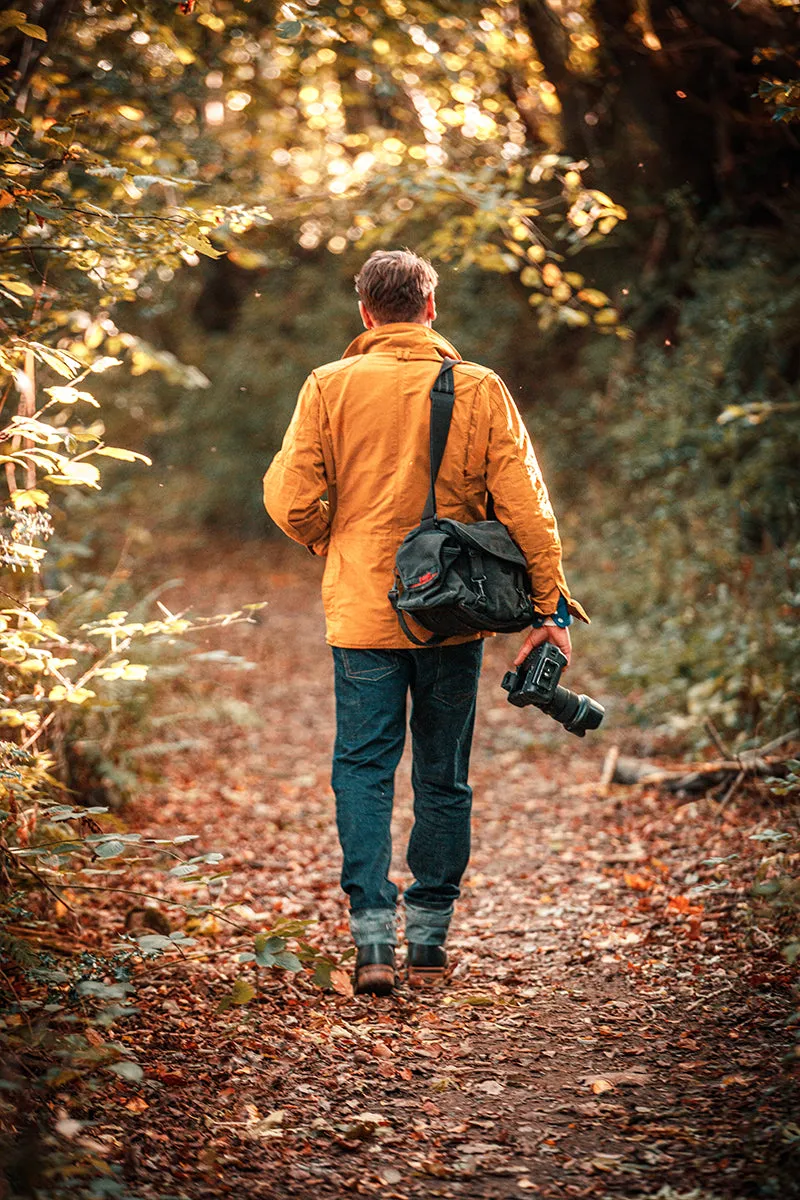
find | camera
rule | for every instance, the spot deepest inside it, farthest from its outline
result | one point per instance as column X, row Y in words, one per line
column 536, row 682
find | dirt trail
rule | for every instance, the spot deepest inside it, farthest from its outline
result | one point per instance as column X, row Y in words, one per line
column 606, row 1031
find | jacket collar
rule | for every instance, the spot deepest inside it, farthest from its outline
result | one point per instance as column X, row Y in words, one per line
column 405, row 339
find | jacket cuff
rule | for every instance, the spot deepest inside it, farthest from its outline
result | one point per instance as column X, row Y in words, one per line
column 549, row 606
column 562, row 617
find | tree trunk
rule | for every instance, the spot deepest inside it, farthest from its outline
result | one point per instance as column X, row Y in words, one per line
column 675, row 111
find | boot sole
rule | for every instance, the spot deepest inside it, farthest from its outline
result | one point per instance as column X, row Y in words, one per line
column 421, row 977
column 374, row 979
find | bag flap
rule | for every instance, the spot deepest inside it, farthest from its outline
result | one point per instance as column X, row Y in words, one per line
column 422, row 553
column 491, row 537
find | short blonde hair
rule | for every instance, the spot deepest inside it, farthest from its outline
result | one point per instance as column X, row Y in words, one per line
column 394, row 285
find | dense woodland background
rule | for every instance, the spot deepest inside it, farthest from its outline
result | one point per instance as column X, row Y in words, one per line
column 610, row 192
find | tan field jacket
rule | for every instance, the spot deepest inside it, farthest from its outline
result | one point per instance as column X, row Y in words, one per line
column 352, row 476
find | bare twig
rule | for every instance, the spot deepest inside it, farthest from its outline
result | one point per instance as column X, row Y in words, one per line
column 731, row 792
column 607, row 774
column 43, row 883
column 778, row 741
column 96, row 887
column 713, row 733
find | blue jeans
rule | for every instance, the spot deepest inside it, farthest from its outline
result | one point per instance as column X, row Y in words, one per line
column 371, row 692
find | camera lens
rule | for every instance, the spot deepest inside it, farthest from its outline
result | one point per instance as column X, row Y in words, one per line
column 589, row 716
column 563, row 707
column 576, row 713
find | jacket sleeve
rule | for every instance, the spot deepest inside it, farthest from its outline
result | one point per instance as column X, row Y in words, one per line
column 521, row 501
column 296, row 481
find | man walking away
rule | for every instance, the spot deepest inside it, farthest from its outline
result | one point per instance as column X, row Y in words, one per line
column 349, row 482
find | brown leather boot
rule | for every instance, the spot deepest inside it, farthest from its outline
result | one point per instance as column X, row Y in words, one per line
column 427, row 965
column 375, row 970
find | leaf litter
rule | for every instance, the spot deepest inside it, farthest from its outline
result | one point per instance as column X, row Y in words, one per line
column 601, row 1035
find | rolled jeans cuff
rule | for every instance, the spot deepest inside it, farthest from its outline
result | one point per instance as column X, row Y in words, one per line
column 368, row 925
column 427, row 926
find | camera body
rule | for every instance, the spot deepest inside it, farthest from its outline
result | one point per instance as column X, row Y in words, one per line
column 536, row 682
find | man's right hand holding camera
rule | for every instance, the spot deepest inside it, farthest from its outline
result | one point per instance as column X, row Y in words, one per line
column 549, row 632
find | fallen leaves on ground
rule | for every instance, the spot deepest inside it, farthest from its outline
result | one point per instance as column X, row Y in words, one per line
column 601, row 1034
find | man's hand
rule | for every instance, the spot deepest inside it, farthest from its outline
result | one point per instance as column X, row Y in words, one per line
column 548, row 633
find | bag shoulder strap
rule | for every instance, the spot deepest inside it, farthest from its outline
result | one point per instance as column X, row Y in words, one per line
column 442, row 397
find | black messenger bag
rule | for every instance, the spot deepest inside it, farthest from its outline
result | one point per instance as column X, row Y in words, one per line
column 457, row 579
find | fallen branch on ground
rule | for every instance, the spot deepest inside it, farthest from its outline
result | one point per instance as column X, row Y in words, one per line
column 700, row 777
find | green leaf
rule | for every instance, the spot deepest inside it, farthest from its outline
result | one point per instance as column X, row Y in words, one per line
column 153, row 943
column 110, row 848
column 769, row 835
column 769, row 887
column 242, row 993
column 287, row 961
column 269, row 943
column 791, row 953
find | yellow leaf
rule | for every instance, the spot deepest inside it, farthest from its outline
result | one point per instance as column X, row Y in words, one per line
column 12, row 18
column 19, row 289
column 594, row 297
column 573, row 278
column 574, row 317
column 34, row 497
column 606, row 316
column 562, row 292
column 58, row 364
column 70, row 395
column 72, row 695
column 34, row 31
column 102, row 364
column 602, row 198
column 607, row 224
column 530, row 276
column 243, row 992
column 551, row 274
column 77, row 472
column 203, row 246
column 11, row 717
column 102, row 235
column 125, row 455
column 537, row 254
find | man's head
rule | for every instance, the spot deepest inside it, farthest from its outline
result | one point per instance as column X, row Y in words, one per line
column 396, row 285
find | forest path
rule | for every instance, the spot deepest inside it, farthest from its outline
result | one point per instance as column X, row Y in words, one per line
column 605, row 1032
